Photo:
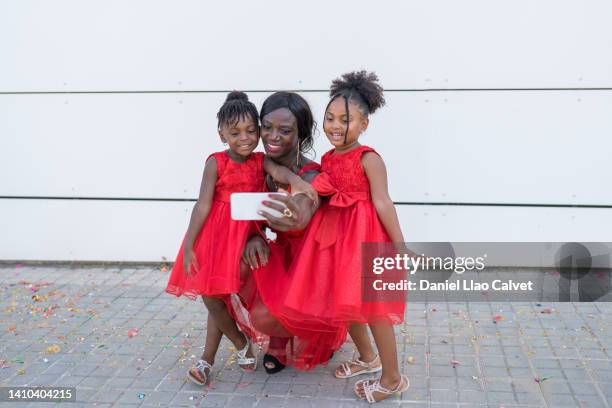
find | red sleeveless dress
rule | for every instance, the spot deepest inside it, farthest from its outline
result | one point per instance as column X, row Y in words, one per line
column 219, row 244
column 260, row 297
column 326, row 277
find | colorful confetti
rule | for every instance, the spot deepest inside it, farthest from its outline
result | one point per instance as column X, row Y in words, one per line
column 54, row 349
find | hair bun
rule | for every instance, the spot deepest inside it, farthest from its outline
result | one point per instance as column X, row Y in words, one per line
column 236, row 96
column 362, row 82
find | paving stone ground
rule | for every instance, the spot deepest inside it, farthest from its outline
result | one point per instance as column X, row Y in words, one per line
column 69, row 326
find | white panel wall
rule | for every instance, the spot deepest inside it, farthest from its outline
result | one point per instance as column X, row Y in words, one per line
column 136, row 231
column 486, row 147
column 195, row 44
column 468, row 119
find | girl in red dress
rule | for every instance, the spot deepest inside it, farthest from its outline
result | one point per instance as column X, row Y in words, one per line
column 209, row 261
column 326, row 276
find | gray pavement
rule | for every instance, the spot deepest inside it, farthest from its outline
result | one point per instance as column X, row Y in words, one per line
column 71, row 326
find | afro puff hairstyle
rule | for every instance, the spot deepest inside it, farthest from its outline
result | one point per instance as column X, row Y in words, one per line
column 360, row 86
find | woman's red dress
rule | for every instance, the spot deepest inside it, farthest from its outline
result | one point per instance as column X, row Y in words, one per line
column 264, row 289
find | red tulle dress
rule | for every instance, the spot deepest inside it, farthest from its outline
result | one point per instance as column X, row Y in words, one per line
column 327, row 281
column 261, row 293
column 219, row 245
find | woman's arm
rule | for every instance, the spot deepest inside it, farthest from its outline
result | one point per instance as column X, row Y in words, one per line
column 302, row 208
column 199, row 213
column 377, row 176
column 285, row 176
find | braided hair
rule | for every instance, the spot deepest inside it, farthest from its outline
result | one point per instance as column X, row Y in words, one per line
column 361, row 87
column 236, row 107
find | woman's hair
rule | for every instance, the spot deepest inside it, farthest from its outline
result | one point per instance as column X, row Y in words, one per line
column 361, row 87
column 237, row 106
column 300, row 109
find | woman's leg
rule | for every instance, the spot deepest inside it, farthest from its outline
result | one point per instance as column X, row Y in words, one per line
column 226, row 324
column 359, row 334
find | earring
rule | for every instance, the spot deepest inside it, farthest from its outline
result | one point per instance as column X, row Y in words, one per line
column 297, row 156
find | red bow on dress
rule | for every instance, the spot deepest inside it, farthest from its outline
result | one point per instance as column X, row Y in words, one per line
column 326, row 235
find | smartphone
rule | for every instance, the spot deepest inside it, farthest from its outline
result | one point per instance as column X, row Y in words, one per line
column 244, row 206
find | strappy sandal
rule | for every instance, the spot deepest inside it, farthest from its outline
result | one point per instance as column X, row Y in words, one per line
column 369, row 388
column 201, row 365
column 373, row 366
column 244, row 360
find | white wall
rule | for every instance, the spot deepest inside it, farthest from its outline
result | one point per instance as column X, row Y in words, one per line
column 489, row 102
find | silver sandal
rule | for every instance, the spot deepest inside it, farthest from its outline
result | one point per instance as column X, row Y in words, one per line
column 370, row 388
column 368, row 368
column 201, row 365
column 244, row 360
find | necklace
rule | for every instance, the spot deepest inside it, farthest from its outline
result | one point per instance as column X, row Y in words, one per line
column 290, row 167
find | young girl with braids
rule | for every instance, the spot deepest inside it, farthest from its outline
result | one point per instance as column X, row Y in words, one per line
column 326, row 283
column 209, row 261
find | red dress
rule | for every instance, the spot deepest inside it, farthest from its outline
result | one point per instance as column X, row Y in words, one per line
column 261, row 294
column 219, row 244
column 327, row 279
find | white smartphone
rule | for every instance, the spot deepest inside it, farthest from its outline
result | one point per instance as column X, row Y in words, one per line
column 244, row 206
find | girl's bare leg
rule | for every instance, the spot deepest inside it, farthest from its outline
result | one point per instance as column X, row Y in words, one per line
column 384, row 337
column 213, row 338
column 226, row 324
column 359, row 334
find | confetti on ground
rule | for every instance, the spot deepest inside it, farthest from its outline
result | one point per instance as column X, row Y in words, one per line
column 141, row 396
column 497, row 318
column 132, row 332
column 59, row 315
column 244, row 384
column 54, row 349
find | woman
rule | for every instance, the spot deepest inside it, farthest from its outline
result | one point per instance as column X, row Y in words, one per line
column 286, row 131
